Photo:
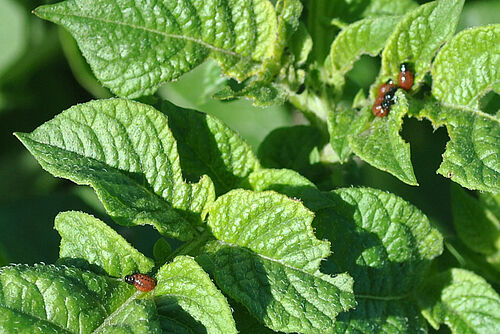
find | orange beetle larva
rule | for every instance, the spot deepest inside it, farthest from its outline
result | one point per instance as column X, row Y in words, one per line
column 142, row 282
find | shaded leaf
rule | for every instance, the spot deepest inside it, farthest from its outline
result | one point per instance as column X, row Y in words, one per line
column 386, row 244
column 161, row 251
column 342, row 123
column 127, row 153
column 290, row 183
column 245, row 323
column 209, row 147
column 184, row 286
column 291, row 147
column 262, row 93
column 476, row 225
column 301, row 44
column 84, row 237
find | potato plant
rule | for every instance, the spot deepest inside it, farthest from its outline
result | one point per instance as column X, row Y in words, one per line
column 273, row 239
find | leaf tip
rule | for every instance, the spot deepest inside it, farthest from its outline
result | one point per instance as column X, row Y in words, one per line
column 39, row 11
column 21, row 136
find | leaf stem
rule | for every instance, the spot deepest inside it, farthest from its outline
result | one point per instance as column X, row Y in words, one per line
column 386, row 298
column 192, row 246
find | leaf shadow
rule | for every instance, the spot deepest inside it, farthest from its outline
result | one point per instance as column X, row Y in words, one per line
column 383, row 287
column 242, row 276
column 384, row 279
column 199, row 153
column 81, row 264
column 174, row 319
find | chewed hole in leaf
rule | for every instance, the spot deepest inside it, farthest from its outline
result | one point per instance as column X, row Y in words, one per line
column 362, row 75
column 490, row 103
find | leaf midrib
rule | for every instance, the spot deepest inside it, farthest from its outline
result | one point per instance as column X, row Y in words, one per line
column 158, row 32
column 106, row 321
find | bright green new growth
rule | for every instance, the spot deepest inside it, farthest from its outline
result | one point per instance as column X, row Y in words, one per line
column 183, row 285
column 417, row 38
column 468, row 67
column 86, row 238
column 58, row 299
column 133, row 47
column 462, row 300
column 366, row 36
column 126, row 152
column 267, row 258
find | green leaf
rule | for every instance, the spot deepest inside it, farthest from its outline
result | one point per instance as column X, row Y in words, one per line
column 366, row 36
column 267, row 258
column 245, row 323
column 126, row 152
column 462, row 300
column 184, row 286
column 208, row 146
column 288, row 14
column 301, row 44
column 471, row 156
column 55, row 299
column 161, row 251
column 381, row 145
column 262, row 93
column 417, row 38
column 389, row 7
column 134, row 47
column 290, row 183
column 476, row 225
column 386, row 244
column 342, row 123
column 467, row 67
column 80, row 68
column 266, row 88
column 84, row 237
column 291, row 147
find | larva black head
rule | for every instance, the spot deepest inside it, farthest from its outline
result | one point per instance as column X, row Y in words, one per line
column 404, row 67
column 405, row 77
column 130, row 279
column 390, row 96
